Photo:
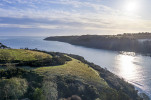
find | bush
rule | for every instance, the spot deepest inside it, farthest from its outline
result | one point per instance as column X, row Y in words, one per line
column 50, row 90
column 12, row 88
column 12, row 72
column 38, row 94
column 68, row 86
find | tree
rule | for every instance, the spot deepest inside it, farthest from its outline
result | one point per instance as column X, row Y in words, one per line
column 50, row 90
column 12, row 88
column 38, row 94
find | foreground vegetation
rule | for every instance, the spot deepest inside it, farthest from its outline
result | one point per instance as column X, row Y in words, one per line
column 70, row 77
column 34, row 58
column 76, row 69
column 139, row 43
column 22, row 55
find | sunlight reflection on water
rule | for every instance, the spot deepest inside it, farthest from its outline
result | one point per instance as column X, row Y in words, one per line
column 130, row 68
column 127, row 69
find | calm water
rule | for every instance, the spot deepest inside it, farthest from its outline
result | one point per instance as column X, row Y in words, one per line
column 134, row 68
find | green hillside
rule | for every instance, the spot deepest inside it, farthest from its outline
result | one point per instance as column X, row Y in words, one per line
column 22, row 55
column 56, row 76
column 76, row 69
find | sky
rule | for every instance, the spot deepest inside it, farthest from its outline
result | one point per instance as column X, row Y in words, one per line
column 73, row 17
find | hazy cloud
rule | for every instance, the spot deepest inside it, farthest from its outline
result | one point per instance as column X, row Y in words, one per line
column 74, row 16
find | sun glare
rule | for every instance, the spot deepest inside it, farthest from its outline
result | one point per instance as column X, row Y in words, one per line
column 127, row 68
column 132, row 6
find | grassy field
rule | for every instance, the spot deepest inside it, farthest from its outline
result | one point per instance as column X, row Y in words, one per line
column 73, row 68
column 22, row 55
column 76, row 69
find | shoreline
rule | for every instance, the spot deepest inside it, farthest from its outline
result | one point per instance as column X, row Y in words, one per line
column 122, row 51
column 117, row 43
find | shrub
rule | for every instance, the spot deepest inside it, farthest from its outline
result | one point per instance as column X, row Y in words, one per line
column 50, row 90
column 12, row 88
column 38, row 94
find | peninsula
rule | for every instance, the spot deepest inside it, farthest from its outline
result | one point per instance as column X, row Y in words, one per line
column 130, row 42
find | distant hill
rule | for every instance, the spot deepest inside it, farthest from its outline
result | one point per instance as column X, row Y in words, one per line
column 143, row 35
column 139, row 43
column 41, row 75
column 2, row 46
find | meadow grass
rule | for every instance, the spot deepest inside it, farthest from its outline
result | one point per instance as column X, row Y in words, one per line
column 22, row 55
column 73, row 68
column 76, row 69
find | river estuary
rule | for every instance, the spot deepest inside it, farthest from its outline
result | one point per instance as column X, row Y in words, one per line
column 134, row 68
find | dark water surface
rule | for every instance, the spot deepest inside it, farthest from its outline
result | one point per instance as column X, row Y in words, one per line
column 136, row 69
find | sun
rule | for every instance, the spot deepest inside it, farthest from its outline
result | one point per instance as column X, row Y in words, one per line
column 132, row 6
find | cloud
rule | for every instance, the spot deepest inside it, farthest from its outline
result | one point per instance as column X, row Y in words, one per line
column 74, row 16
column 47, row 23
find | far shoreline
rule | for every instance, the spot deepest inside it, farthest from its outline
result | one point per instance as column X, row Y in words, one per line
column 119, row 43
